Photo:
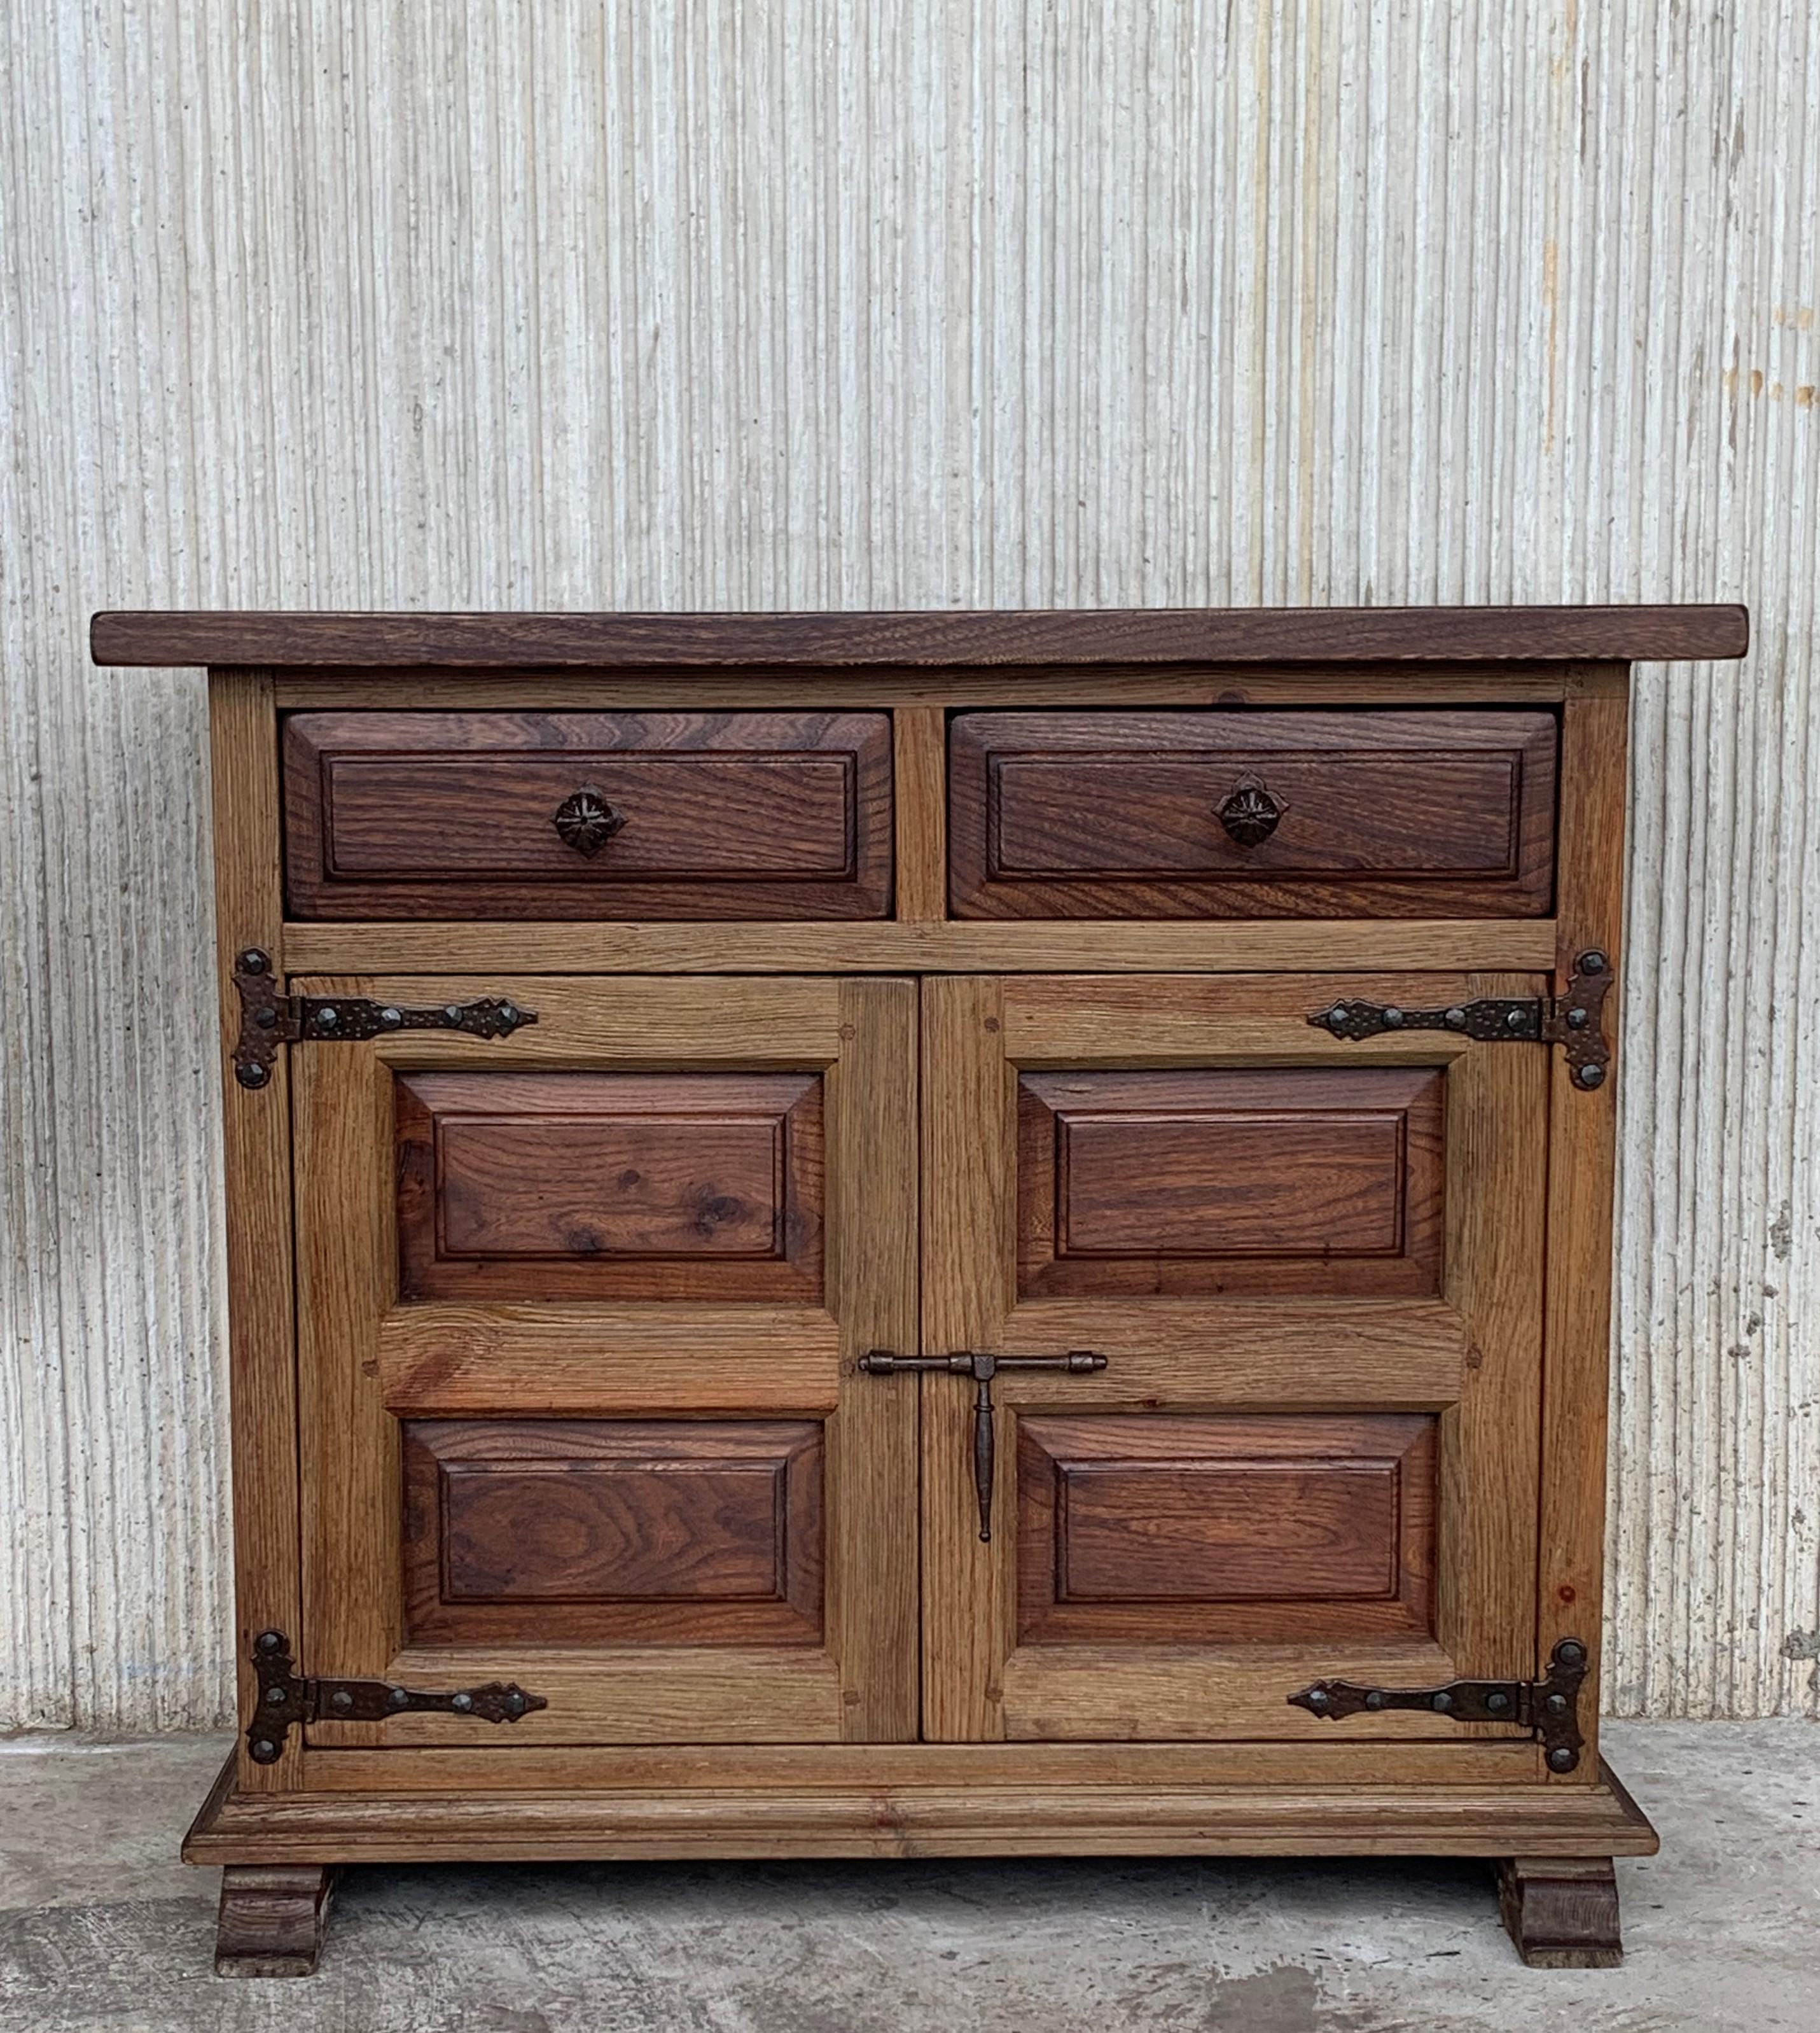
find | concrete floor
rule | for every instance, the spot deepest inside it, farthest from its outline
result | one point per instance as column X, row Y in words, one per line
column 100, row 1927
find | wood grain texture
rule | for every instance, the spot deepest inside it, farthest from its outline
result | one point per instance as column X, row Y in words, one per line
column 557, row 641
column 1028, row 946
column 919, row 749
column 1324, row 682
column 874, row 1264
column 934, row 1820
column 1561, row 1912
column 1473, row 1368
column 1496, row 1224
column 612, row 1024
column 437, row 1359
column 616, row 1694
column 1125, row 1023
column 610, row 1186
column 591, row 1531
column 1427, row 814
column 1576, row 1338
column 1174, row 1529
column 721, row 815
column 1508, row 1761
column 271, row 1918
column 255, row 1132
column 1296, row 1180
column 968, row 1184
column 509, row 1359
column 346, row 1282
column 1391, row 1354
column 1107, row 1690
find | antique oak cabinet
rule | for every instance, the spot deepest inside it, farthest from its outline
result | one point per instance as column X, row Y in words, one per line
column 919, row 1234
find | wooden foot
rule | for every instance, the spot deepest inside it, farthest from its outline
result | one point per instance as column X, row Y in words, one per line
column 271, row 1918
column 1562, row 1911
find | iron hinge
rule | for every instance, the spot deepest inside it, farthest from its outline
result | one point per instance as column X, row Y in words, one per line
column 1550, row 1707
column 286, row 1696
column 269, row 1018
column 1571, row 1020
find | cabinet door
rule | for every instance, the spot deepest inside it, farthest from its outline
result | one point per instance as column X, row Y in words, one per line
column 1313, row 1269
column 578, row 1312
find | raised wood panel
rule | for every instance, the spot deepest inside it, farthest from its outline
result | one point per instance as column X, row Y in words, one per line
column 1292, row 1180
column 587, row 1532
column 610, row 1185
column 721, row 815
column 1073, row 815
column 1173, row 1529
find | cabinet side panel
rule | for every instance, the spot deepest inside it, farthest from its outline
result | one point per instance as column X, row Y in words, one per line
column 1582, row 1146
column 262, row 1363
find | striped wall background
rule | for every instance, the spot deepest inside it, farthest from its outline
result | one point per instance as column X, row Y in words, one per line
column 591, row 303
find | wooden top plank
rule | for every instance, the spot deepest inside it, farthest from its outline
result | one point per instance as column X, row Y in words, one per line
column 1045, row 638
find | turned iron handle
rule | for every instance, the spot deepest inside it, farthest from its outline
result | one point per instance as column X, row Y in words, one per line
column 585, row 821
column 1250, row 811
column 982, row 1367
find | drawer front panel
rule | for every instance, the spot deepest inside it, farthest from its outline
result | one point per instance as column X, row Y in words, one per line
column 1327, row 814
column 1191, row 1530
column 584, row 1185
column 1216, row 1181
column 581, row 1531
column 588, row 815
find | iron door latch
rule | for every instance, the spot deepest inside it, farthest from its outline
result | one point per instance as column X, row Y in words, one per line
column 269, row 1018
column 1550, row 1707
column 286, row 1696
column 1570, row 1020
column 982, row 1369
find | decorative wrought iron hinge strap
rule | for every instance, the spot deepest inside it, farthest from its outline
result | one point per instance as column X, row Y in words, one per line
column 1570, row 1020
column 982, row 1369
column 1550, row 1707
column 286, row 1697
column 269, row 1018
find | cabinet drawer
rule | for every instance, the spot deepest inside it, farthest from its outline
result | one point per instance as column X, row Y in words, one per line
column 588, row 815
column 1223, row 813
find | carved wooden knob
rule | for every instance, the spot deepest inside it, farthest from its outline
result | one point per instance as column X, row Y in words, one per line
column 1250, row 814
column 586, row 821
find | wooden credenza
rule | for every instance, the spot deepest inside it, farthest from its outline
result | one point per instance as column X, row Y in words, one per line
column 919, row 1234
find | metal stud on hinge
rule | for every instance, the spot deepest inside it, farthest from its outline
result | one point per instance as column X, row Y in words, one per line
column 1548, row 1706
column 1570, row 1020
column 286, row 1698
column 269, row 1018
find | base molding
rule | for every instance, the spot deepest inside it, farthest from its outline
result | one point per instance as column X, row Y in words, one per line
column 1531, row 1821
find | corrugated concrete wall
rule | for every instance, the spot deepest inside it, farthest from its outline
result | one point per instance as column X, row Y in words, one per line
column 362, row 303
